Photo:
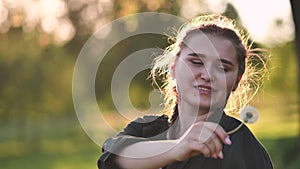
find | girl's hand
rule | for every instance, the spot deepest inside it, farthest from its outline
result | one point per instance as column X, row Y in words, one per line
column 201, row 138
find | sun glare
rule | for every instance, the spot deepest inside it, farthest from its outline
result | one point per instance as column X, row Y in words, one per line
column 268, row 21
column 51, row 14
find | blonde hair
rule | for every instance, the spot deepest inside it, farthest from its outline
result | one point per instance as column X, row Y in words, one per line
column 252, row 62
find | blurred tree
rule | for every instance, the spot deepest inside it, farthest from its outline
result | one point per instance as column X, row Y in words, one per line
column 60, row 21
column 231, row 12
column 40, row 41
column 34, row 26
column 295, row 4
column 35, row 84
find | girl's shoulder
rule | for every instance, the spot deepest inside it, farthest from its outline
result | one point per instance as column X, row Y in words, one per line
column 149, row 119
column 246, row 149
column 229, row 123
column 150, row 125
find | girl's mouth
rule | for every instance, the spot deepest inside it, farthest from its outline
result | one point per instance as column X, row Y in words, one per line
column 204, row 89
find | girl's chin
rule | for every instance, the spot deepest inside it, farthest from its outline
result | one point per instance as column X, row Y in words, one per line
column 203, row 106
column 208, row 106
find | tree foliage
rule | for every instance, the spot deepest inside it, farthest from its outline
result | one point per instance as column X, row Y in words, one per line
column 40, row 41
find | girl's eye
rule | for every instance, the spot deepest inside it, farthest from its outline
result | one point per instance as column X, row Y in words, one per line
column 197, row 62
column 222, row 68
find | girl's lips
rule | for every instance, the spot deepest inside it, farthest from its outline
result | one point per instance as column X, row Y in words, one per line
column 204, row 89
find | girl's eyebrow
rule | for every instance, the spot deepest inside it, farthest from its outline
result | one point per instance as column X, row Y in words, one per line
column 227, row 62
column 197, row 55
column 204, row 56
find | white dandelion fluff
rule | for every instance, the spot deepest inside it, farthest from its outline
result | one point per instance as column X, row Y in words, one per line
column 248, row 114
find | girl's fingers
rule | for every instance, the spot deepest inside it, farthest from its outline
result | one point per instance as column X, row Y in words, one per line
column 205, row 138
column 212, row 136
column 223, row 135
column 217, row 146
column 204, row 149
column 214, row 145
column 218, row 130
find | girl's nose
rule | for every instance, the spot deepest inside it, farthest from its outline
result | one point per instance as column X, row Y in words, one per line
column 205, row 75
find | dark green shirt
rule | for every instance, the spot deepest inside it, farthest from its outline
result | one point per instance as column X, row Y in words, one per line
column 245, row 152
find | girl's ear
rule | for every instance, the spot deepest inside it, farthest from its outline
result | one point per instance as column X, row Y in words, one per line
column 173, row 71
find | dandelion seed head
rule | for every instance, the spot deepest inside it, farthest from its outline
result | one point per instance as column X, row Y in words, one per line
column 249, row 114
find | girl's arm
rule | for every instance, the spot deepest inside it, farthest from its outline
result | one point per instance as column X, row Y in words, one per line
column 147, row 155
column 201, row 138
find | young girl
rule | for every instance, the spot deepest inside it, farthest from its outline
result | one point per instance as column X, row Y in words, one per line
column 206, row 70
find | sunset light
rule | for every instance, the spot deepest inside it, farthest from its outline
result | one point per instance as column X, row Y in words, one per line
column 269, row 24
column 269, row 21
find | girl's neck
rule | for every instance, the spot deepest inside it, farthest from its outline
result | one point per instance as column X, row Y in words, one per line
column 188, row 115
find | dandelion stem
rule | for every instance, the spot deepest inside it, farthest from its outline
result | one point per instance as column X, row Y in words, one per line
column 236, row 129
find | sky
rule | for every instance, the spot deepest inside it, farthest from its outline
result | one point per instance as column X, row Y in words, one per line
column 268, row 21
column 260, row 17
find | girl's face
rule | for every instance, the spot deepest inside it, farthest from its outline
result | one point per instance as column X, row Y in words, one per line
column 206, row 72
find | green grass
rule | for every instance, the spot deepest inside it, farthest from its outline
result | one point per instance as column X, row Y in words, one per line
column 63, row 146
column 284, row 152
column 60, row 143
column 78, row 160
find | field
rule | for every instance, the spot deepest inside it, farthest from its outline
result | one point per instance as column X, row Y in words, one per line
column 61, row 143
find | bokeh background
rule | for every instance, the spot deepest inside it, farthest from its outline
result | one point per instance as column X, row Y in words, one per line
column 41, row 39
